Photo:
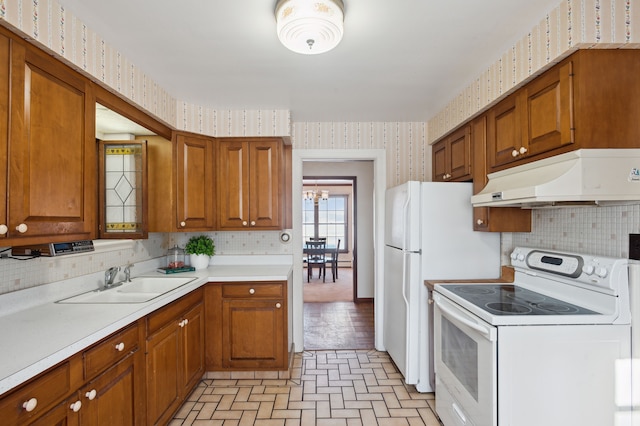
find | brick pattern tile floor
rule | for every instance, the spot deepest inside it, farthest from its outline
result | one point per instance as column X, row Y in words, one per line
column 337, row 387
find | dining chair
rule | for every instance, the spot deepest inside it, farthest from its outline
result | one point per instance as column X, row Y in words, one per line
column 332, row 259
column 316, row 256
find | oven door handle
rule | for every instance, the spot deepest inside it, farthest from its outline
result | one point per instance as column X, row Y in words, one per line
column 455, row 314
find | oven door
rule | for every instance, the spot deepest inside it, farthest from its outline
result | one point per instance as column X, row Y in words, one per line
column 465, row 349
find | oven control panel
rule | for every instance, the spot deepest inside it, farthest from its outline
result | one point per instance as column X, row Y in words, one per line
column 578, row 268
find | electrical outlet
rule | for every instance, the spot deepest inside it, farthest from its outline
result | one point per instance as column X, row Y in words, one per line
column 634, row 246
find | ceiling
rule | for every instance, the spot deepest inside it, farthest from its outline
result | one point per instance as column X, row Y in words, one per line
column 399, row 60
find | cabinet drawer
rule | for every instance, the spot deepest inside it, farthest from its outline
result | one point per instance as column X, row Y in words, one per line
column 252, row 290
column 158, row 319
column 111, row 350
column 44, row 391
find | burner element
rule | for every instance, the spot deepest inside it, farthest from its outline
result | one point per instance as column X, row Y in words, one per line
column 511, row 308
column 556, row 307
column 474, row 289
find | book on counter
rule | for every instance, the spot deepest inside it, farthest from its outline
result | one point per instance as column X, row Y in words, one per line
column 165, row 270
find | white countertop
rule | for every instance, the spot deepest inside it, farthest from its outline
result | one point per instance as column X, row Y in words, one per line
column 43, row 334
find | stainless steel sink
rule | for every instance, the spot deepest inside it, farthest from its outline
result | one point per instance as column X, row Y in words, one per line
column 139, row 290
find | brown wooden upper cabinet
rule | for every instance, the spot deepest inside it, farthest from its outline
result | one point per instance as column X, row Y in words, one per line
column 589, row 100
column 48, row 167
column 181, row 183
column 452, row 157
column 251, row 183
column 492, row 219
column 534, row 120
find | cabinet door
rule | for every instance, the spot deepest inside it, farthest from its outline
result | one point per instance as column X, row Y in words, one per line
column 550, row 110
column 504, row 132
column 163, row 373
column 253, row 334
column 265, row 184
column 492, row 219
column 440, row 161
column 233, row 175
column 52, row 175
column 110, row 398
column 195, row 192
column 192, row 347
column 460, row 154
column 61, row 415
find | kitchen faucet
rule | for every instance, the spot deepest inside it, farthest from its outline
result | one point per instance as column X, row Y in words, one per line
column 110, row 276
column 127, row 273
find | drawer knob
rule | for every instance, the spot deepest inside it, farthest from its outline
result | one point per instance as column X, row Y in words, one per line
column 252, row 290
column 30, row 405
column 3, row 229
column 91, row 395
column 120, row 347
column 22, row 228
column 183, row 224
column 523, row 150
column 76, row 406
column 278, row 305
column 183, row 322
column 479, row 222
column 515, row 153
column 244, row 223
column 253, row 223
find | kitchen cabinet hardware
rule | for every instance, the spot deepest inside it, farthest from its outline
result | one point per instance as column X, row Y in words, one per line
column 30, row 405
column 120, row 347
column 91, row 395
column 76, row 406
column 252, row 290
column 3, row 229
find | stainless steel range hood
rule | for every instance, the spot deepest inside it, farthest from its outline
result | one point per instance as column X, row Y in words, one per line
column 595, row 176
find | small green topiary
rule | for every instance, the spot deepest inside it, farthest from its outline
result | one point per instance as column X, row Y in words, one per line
column 201, row 244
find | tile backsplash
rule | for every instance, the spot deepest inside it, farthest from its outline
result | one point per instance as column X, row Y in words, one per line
column 22, row 274
column 594, row 230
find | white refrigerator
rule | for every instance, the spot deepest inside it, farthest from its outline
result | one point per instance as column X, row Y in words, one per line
column 428, row 236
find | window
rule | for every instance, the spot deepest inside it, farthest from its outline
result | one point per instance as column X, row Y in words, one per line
column 326, row 218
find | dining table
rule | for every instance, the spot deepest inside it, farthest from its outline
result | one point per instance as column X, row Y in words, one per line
column 329, row 249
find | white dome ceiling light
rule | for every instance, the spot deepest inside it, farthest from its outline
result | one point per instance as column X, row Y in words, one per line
column 310, row 27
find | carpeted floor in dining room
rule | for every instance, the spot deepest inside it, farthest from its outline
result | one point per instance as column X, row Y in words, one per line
column 331, row 319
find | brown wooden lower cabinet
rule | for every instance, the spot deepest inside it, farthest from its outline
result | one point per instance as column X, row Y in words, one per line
column 175, row 355
column 99, row 386
column 248, row 326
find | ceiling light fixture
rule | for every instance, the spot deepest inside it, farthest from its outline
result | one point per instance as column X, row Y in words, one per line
column 310, row 26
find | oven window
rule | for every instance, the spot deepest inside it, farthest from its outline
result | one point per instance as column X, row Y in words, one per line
column 460, row 355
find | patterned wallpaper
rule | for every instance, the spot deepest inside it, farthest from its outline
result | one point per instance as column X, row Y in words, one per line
column 573, row 24
column 408, row 155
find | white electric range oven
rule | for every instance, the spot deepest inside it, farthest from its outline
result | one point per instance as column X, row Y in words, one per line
column 538, row 351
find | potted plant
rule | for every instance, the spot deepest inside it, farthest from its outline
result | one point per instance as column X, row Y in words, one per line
column 200, row 249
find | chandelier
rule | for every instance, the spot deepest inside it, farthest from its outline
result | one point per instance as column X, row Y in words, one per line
column 310, row 26
column 315, row 195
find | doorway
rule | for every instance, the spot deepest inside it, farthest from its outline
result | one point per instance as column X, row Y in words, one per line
column 328, row 208
column 309, row 163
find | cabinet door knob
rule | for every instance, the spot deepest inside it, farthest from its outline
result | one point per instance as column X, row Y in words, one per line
column 479, row 222
column 91, row 395
column 120, row 347
column 523, row 150
column 30, row 405
column 515, row 153
column 244, row 223
column 76, row 406
column 183, row 224
column 253, row 223
column 182, row 323
column 252, row 290
column 22, row 228
column 278, row 305
column 3, row 229
column 444, row 176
